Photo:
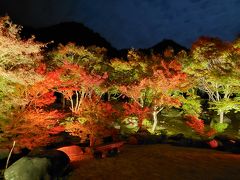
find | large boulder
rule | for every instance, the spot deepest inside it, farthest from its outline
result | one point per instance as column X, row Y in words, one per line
column 39, row 164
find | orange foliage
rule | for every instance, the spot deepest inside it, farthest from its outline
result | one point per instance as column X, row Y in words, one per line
column 135, row 109
column 45, row 99
column 41, row 69
column 213, row 42
column 79, row 76
column 98, row 110
column 167, row 100
column 39, row 94
column 99, row 118
column 168, row 76
column 33, row 128
column 199, row 127
column 168, row 53
column 196, row 124
column 74, row 83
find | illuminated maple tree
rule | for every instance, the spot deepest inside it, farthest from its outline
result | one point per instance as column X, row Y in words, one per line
column 18, row 60
column 213, row 66
column 158, row 89
column 94, row 121
column 93, row 59
column 34, row 127
column 76, row 84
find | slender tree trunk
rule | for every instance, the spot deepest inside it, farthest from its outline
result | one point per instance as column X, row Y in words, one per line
column 76, row 103
column 92, row 141
column 221, row 114
column 72, row 106
column 154, row 120
column 156, row 110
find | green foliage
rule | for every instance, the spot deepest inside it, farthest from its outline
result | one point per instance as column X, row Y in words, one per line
column 148, row 96
column 226, row 105
column 129, row 125
column 10, row 99
column 132, row 70
column 126, row 72
column 147, row 123
column 213, row 67
column 171, row 112
column 68, row 120
column 191, row 103
column 92, row 58
column 219, row 127
column 113, row 93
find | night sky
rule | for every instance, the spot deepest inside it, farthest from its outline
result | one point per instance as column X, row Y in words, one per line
column 134, row 23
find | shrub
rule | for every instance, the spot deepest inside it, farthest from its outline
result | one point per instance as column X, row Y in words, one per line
column 219, row 127
column 199, row 127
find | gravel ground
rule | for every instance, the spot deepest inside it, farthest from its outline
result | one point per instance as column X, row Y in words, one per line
column 163, row 162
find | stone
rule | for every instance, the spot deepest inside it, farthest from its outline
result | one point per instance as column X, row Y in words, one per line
column 39, row 164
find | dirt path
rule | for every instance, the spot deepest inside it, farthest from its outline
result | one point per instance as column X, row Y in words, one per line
column 162, row 162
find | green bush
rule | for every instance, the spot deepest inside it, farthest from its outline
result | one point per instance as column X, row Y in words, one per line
column 219, row 127
column 129, row 125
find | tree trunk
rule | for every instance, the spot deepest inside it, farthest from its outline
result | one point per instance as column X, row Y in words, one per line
column 92, row 141
column 156, row 110
column 221, row 114
column 154, row 120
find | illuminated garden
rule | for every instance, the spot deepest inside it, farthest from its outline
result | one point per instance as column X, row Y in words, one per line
column 75, row 96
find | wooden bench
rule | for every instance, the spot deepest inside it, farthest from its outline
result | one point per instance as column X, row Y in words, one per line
column 104, row 150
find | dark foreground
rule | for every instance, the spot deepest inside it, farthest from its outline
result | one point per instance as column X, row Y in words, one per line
column 160, row 162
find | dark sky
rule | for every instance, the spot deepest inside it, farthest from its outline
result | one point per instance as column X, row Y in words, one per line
column 134, row 23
